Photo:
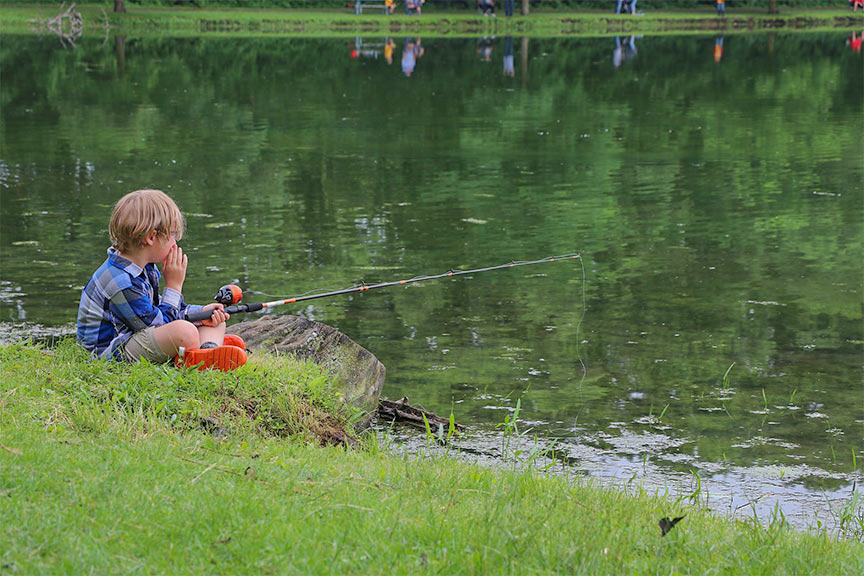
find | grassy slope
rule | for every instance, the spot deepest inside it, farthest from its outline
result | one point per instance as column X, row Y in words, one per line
column 97, row 475
column 328, row 23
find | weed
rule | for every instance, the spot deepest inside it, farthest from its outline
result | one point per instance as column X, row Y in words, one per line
column 726, row 376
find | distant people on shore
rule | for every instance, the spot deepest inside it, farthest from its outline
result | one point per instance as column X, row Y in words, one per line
column 390, row 5
column 486, row 7
column 721, row 7
column 412, row 51
column 508, row 8
column 509, row 69
column 414, row 6
column 855, row 4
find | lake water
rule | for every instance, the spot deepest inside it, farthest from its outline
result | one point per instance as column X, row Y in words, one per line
column 713, row 187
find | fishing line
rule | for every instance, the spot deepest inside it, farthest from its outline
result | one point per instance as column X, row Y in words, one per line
column 579, row 326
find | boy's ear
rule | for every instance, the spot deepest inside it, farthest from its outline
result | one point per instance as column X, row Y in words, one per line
column 149, row 239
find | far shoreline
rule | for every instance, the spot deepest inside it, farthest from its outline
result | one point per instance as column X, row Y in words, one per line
column 274, row 22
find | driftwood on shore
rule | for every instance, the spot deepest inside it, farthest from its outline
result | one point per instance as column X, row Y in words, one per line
column 402, row 412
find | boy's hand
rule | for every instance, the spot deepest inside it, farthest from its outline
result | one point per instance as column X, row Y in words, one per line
column 174, row 268
column 219, row 315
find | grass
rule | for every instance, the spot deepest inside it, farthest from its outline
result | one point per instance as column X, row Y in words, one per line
column 106, row 469
column 245, row 22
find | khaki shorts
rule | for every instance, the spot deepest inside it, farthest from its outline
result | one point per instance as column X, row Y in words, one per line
column 143, row 345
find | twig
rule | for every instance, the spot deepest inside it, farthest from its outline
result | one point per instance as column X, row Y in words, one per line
column 14, row 451
column 219, row 469
column 211, row 467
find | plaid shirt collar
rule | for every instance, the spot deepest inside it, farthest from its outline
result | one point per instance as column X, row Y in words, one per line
column 123, row 263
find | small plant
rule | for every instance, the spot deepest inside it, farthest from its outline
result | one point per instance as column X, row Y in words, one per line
column 850, row 518
column 511, row 429
column 726, row 375
column 693, row 497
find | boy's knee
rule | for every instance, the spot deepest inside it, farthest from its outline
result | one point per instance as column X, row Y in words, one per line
column 186, row 331
column 176, row 334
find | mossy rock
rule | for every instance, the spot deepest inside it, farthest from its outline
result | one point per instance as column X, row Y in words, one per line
column 358, row 372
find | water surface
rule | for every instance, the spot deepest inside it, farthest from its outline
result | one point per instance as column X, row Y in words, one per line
column 711, row 185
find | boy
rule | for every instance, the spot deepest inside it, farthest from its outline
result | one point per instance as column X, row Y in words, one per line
column 121, row 315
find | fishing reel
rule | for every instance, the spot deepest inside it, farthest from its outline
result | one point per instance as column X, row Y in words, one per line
column 229, row 295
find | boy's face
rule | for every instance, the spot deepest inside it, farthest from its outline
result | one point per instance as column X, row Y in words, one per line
column 163, row 245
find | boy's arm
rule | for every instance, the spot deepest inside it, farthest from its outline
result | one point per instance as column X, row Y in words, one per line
column 132, row 307
column 174, row 307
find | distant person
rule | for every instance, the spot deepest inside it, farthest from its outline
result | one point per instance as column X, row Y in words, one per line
column 625, row 6
column 509, row 69
column 718, row 49
column 855, row 4
column 410, row 53
column 508, row 8
column 484, row 48
column 390, row 5
column 486, row 7
column 414, row 6
column 721, row 7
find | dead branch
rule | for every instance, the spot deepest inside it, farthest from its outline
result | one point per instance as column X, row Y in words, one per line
column 403, row 412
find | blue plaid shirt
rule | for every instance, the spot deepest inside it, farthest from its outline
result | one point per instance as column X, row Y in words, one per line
column 120, row 299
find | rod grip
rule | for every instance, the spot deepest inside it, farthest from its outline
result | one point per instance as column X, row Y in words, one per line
column 205, row 314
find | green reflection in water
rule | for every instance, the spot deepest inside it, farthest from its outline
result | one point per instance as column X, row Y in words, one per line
column 718, row 207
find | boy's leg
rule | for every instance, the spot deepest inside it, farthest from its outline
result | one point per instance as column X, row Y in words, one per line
column 159, row 345
column 214, row 334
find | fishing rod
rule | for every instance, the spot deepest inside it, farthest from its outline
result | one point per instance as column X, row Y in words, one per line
column 230, row 295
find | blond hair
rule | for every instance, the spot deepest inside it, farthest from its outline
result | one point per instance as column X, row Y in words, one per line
column 139, row 212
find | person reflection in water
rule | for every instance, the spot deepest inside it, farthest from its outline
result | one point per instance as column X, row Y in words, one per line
column 718, row 49
column 484, row 48
column 623, row 50
column 389, row 46
column 854, row 41
column 509, row 70
column 412, row 51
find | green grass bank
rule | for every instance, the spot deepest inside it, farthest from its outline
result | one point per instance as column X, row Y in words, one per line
column 113, row 469
column 244, row 22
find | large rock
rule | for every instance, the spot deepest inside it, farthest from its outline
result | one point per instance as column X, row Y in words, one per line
column 360, row 374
